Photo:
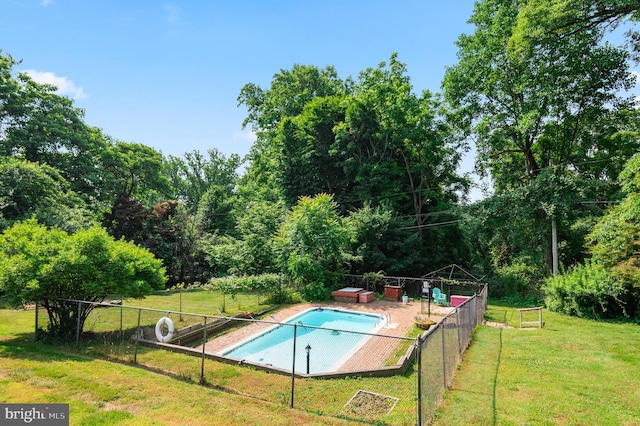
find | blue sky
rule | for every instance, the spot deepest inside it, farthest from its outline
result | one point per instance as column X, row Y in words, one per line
column 168, row 74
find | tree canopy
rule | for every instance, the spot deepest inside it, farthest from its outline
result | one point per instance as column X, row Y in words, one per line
column 46, row 265
column 360, row 174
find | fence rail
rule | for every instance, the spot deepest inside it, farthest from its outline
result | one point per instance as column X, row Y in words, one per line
column 382, row 379
column 440, row 352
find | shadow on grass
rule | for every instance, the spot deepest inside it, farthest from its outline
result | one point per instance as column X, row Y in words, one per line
column 24, row 347
column 494, row 399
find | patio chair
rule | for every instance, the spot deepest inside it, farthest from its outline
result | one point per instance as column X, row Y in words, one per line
column 438, row 297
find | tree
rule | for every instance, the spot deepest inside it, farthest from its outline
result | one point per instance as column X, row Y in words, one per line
column 313, row 244
column 615, row 239
column 31, row 189
column 543, row 22
column 381, row 242
column 507, row 97
column 43, row 265
column 40, row 126
column 371, row 140
column 308, row 159
column 251, row 251
column 398, row 147
column 133, row 170
column 552, row 104
column 192, row 177
column 289, row 92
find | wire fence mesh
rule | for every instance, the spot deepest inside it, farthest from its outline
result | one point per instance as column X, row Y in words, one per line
column 361, row 376
column 441, row 350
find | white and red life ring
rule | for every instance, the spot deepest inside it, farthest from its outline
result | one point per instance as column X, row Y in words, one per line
column 164, row 324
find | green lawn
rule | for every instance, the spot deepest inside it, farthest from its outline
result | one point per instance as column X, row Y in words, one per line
column 103, row 392
column 571, row 372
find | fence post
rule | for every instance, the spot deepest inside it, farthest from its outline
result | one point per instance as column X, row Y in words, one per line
column 444, row 360
column 204, row 342
column 458, row 330
column 181, row 307
column 419, row 399
column 293, row 366
column 121, row 308
column 135, row 352
column 78, row 325
column 35, row 333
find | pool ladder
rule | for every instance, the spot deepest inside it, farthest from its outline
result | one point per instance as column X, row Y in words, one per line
column 387, row 318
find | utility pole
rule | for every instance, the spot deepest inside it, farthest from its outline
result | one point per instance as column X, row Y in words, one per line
column 554, row 244
column 554, row 234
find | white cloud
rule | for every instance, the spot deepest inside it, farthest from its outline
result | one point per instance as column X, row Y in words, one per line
column 45, row 3
column 65, row 86
column 173, row 13
column 247, row 136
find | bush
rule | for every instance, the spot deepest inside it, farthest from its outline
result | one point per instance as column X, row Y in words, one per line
column 588, row 291
column 267, row 284
column 519, row 279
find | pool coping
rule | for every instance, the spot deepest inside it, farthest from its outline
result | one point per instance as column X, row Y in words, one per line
column 404, row 313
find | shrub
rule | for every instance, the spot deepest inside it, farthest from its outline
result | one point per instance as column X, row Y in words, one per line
column 586, row 291
column 518, row 279
column 267, row 284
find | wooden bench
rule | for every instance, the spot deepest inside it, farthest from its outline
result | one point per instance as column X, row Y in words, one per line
column 538, row 322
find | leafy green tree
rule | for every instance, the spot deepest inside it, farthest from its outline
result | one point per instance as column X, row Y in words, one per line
column 44, row 265
column 252, row 251
column 192, row 177
column 510, row 97
column 399, row 148
column 289, row 92
column 31, row 189
column 546, row 22
column 615, row 239
column 215, row 212
column 133, row 170
column 366, row 141
column 543, row 112
column 381, row 241
column 40, row 126
column 313, row 246
column 308, row 160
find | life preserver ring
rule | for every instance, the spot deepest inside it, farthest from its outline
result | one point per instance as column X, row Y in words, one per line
column 160, row 328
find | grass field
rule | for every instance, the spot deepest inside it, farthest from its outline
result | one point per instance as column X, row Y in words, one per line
column 316, row 401
column 570, row 372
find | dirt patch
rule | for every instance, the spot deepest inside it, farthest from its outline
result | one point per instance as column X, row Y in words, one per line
column 497, row 324
column 370, row 405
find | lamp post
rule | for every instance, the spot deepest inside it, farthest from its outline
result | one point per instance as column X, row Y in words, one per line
column 308, row 350
column 426, row 285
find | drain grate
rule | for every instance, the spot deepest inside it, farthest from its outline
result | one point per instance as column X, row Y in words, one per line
column 369, row 404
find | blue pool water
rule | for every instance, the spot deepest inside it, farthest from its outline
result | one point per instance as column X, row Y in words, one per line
column 329, row 348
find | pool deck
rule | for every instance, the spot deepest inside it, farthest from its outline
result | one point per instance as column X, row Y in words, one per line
column 376, row 350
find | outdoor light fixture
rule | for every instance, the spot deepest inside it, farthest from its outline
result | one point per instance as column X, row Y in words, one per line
column 308, row 350
column 426, row 285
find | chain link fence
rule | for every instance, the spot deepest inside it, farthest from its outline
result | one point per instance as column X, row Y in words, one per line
column 374, row 379
column 441, row 349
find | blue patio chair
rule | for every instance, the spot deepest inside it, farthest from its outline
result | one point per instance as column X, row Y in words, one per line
column 438, row 297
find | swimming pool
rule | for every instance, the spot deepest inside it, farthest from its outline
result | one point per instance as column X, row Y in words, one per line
column 325, row 331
